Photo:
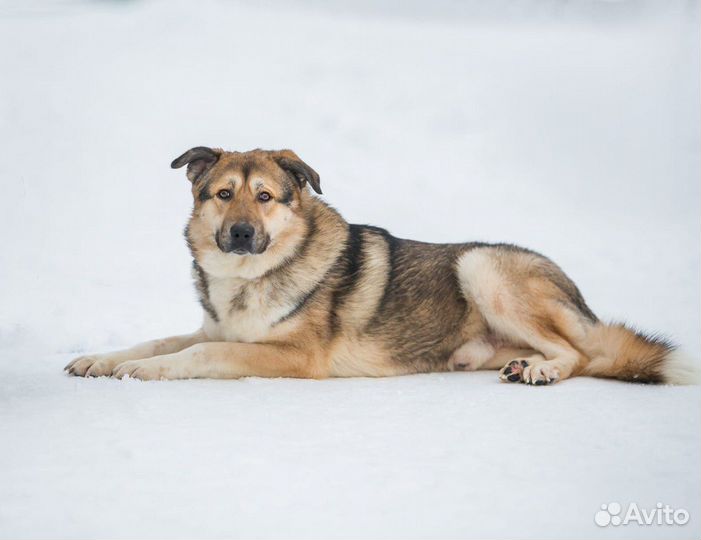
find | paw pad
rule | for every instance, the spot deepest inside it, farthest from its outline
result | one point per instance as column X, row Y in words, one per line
column 513, row 371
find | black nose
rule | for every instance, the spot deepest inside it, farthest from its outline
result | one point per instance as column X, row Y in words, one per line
column 242, row 236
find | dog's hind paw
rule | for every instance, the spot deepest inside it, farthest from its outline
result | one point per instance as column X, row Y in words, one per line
column 538, row 373
column 513, row 371
column 541, row 373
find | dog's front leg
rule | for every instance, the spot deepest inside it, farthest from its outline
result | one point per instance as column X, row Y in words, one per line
column 223, row 360
column 95, row 365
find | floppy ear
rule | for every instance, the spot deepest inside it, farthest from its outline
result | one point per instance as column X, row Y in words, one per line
column 295, row 167
column 198, row 160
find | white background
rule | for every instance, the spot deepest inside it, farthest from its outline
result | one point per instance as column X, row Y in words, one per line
column 569, row 127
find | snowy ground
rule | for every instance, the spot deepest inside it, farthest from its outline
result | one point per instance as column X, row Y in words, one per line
column 572, row 128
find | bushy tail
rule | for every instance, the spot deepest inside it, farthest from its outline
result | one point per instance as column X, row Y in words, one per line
column 619, row 352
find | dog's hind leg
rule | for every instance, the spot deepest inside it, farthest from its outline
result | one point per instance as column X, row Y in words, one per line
column 482, row 354
column 96, row 365
column 471, row 355
column 528, row 302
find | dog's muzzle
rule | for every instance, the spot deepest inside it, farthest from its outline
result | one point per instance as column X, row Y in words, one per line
column 241, row 239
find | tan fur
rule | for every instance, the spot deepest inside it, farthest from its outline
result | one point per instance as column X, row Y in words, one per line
column 619, row 353
column 315, row 297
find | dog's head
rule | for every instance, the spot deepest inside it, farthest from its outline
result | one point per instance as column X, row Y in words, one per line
column 245, row 202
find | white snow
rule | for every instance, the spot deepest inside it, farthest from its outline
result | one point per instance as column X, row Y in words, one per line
column 571, row 128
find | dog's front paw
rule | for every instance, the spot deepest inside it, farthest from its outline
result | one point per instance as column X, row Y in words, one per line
column 92, row 365
column 150, row 369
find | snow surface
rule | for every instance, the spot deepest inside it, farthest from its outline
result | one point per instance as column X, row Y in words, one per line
column 571, row 128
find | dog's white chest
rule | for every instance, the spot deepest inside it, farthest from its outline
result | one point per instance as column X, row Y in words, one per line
column 245, row 312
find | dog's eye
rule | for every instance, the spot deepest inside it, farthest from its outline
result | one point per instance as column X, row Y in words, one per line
column 224, row 194
column 264, row 196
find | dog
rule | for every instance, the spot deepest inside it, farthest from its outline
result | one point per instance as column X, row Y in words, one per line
column 290, row 289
